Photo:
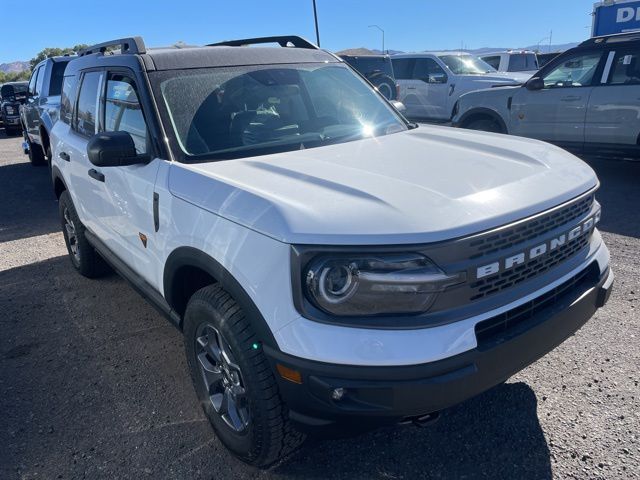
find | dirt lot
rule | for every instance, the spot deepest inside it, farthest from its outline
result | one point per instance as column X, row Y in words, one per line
column 94, row 383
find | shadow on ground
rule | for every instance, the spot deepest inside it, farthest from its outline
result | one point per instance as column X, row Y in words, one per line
column 104, row 392
column 28, row 204
column 619, row 195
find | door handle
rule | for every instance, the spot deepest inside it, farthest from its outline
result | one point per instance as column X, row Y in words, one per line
column 571, row 98
column 64, row 156
column 93, row 173
column 411, row 88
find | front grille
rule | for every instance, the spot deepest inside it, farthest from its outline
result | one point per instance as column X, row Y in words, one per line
column 508, row 279
column 501, row 326
column 511, row 237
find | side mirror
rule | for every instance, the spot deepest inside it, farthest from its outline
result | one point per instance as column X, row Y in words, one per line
column 399, row 106
column 437, row 78
column 114, row 149
column 535, row 83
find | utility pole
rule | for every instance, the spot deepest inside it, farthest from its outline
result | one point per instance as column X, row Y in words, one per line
column 315, row 16
column 376, row 26
column 550, row 37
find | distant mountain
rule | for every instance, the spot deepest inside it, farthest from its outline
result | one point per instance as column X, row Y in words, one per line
column 14, row 67
column 477, row 51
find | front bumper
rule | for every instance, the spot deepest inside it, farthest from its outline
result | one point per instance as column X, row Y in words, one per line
column 506, row 345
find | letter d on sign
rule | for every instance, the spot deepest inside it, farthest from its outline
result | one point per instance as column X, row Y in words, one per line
column 625, row 14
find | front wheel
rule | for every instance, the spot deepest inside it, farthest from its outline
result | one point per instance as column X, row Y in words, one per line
column 234, row 382
column 36, row 154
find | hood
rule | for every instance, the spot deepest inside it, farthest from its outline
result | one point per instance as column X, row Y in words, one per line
column 425, row 185
column 494, row 79
column 520, row 77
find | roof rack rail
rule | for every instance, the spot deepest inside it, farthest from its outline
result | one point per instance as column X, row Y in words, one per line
column 127, row 45
column 613, row 38
column 283, row 41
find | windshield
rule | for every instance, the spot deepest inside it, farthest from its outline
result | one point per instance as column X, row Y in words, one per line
column 235, row 112
column 522, row 62
column 466, row 64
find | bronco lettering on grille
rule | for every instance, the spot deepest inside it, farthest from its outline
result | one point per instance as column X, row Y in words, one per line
column 538, row 250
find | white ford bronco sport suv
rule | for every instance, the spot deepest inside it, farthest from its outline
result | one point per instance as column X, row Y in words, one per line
column 330, row 264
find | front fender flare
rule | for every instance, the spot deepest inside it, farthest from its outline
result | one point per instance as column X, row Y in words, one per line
column 192, row 257
column 482, row 111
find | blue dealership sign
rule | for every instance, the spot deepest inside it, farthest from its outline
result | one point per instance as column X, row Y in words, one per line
column 616, row 17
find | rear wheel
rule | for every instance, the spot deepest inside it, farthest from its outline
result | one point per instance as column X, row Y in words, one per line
column 386, row 86
column 234, row 382
column 485, row 124
column 83, row 256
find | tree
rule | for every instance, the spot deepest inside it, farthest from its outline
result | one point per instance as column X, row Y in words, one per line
column 55, row 52
column 14, row 76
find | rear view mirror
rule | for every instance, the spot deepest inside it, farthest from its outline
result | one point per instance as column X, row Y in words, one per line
column 535, row 83
column 114, row 149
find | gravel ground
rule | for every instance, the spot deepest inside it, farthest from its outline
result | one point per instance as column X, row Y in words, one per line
column 94, row 383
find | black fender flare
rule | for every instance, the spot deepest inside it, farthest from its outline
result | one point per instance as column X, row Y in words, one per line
column 56, row 176
column 486, row 112
column 192, row 257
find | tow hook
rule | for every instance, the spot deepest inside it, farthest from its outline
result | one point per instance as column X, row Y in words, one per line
column 423, row 420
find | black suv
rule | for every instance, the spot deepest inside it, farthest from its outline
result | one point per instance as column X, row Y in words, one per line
column 378, row 70
column 12, row 95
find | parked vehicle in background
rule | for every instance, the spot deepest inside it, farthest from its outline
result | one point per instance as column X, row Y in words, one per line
column 378, row 69
column 429, row 84
column 544, row 58
column 586, row 100
column 42, row 107
column 521, row 62
column 12, row 95
column 330, row 264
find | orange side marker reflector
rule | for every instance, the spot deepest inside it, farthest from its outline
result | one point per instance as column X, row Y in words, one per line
column 289, row 374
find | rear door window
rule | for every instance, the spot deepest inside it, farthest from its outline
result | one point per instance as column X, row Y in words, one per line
column 625, row 69
column 403, row 68
column 88, row 101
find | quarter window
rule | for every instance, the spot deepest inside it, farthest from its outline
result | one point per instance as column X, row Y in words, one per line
column 576, row 71
column 87, row 110
column 626, row 68
column 123, row 112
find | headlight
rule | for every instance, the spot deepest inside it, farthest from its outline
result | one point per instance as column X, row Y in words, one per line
column 10, row 110
column 375, row 284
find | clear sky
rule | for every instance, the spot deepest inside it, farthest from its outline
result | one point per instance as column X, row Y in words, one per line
column 409, row 24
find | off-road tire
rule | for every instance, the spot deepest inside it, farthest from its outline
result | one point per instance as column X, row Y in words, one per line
column 269, row 436
column 87, row 262
column 386, row 86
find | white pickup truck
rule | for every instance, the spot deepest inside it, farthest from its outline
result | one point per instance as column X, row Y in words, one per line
column 430, row 83
column 329, row 263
